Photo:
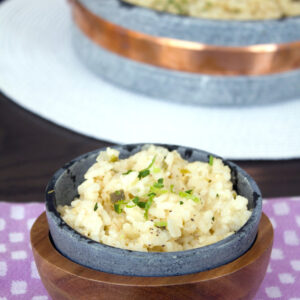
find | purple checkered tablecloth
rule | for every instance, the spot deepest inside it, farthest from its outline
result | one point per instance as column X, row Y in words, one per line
column 19, row 278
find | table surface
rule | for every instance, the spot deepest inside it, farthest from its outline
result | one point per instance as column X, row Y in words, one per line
column 31, row 149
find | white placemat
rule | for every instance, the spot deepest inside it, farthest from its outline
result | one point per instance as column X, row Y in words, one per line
column 40, row 71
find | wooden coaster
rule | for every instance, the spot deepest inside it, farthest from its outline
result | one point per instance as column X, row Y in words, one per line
column 65, row 279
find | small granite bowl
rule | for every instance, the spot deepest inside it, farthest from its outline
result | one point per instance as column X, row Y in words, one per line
column 62, row 189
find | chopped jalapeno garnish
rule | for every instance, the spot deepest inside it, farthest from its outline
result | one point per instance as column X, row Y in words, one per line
column 117, row 196
column 113, row 158
column 160, row 224
column 211, row 160
column 184, row 171
column 96, row 206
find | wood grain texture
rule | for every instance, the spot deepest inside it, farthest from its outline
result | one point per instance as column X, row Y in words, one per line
column 65, row 279
column 31, row 149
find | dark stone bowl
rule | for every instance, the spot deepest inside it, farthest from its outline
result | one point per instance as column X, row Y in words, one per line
column 109, row 259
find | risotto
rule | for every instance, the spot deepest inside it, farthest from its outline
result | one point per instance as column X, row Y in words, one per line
column 156, row 201
column 226, row 9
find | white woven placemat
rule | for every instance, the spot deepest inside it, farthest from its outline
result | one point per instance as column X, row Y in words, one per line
column 39, row 70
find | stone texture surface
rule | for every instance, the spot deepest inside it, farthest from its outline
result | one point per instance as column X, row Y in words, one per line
column 106, row 258
column 228, row 33
column 183, row 87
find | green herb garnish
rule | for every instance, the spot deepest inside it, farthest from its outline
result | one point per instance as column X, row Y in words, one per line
column 122, row 202
column 130, row 206
column 157, row 191
column 181, row 202
column 148, row 204
column 189, row 192
column 117, row 207
column 156, row 170
column 211, row 160
column 159, row 184
column 151, row 195
column 217, row 195
column 136, row 201
column 146, row 172
column 143, row 173
column 128, row 172
column 213, row 219
column 172, row 188
column 160, row 224
column 189, row 196
column 157, row 187
column 96, row 206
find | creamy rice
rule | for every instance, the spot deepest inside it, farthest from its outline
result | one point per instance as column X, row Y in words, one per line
column 156, row 201
column 226, row 9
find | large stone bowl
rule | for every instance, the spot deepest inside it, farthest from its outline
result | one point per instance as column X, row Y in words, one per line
column 62, row 189
column 187, row 87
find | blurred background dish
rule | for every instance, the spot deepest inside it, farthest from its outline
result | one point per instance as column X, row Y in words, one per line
column 189, row 60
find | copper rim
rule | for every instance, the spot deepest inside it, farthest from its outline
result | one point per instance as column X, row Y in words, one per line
column 187, row 56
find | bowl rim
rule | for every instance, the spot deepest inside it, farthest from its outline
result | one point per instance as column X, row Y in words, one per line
column 51, row 205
